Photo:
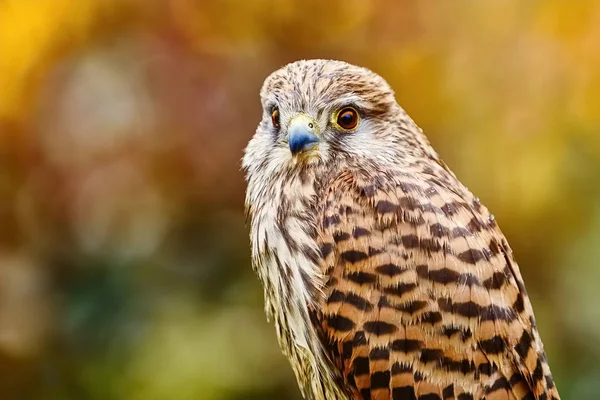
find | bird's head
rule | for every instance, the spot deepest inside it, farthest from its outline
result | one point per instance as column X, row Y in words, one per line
column 318, row 114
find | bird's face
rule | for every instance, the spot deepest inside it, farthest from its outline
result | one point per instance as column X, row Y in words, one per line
column 319, row 112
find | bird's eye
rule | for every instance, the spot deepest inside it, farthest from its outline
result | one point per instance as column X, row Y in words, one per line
column 275, row 117
column 347, row 118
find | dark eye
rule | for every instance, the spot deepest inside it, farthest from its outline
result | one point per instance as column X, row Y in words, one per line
column 275, row 117
column 347, row 118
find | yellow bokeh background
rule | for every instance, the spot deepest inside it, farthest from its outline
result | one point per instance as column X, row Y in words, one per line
column 124, row 260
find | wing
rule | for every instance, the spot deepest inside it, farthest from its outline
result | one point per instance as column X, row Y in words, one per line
column 422, row 297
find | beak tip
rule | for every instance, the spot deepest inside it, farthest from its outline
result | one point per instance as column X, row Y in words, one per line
column 302, row 141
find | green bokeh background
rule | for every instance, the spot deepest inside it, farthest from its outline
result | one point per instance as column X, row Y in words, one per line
column 124, row 258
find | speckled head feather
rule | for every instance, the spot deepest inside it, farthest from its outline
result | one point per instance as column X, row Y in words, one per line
column 384, row 276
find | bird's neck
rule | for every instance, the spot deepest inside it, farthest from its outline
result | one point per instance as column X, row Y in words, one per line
column 284, row 215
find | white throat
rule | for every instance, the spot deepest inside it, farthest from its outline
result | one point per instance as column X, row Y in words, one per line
column 285, row 256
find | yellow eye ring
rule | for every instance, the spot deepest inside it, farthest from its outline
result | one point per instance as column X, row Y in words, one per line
column 275, row 117
column 347, row 119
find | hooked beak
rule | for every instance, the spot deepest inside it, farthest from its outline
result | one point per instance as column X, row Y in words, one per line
column 302, row 134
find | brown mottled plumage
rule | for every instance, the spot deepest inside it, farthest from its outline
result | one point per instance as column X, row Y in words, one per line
column 384, row 276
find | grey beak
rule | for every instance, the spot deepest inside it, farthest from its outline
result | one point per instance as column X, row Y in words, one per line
column 302, row 134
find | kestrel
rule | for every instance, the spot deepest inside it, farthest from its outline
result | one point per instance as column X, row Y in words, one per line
column 384, row 276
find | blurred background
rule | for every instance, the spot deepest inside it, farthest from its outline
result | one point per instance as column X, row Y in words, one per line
column 124, row 258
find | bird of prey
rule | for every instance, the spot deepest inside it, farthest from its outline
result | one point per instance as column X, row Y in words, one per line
column 384, row 276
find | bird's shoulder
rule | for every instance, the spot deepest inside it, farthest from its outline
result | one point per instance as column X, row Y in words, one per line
column 422, row 295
